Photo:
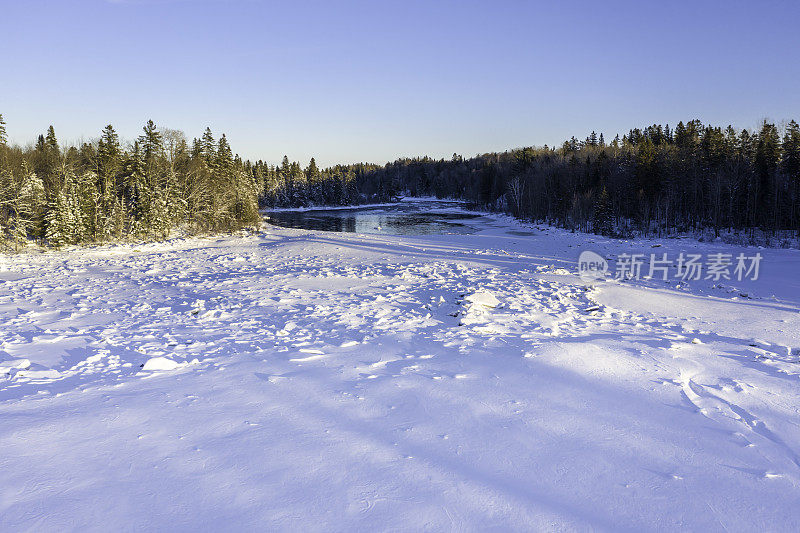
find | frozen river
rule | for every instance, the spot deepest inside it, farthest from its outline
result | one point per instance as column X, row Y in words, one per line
column 403, row 218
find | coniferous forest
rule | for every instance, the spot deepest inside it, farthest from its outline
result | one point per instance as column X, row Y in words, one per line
column 101, row 191
column 652, row 181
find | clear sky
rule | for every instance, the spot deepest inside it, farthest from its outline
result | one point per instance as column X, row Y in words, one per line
column 370, row 81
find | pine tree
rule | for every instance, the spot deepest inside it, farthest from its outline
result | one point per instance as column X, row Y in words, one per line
column 299, row 185
column 158, row 221
column 50, row 140
column 46, row 159
column 109, row 158
column 790, row 167
column 58, row 232
column 245, row 208
column 349, row 193
column 209, row 147
column 18, row 231
column 30, row 199
column 680, row 135
column 602, row 218
column 766, row 161
column 790, row 160
column 116, row 223
column 224, row 158
column 136, row 190
column 284, row 177
column 3, row 136
column 313, row 179
column 151, row 182
column 152, row 148
column 109, row 162
column 523, row 160
column 89, row 205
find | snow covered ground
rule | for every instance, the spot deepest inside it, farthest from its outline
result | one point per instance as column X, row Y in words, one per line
column 312, row 381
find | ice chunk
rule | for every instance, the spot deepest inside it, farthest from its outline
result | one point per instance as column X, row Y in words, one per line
column 484, row 298
column 160, row 363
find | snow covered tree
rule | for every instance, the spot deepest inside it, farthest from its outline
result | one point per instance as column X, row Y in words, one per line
column 57, row 234
column 63, row 219
column 21, row 199
column 209, row 147
column 101, row 190
column 18, row 232
column 109, row 162
column 152, row 148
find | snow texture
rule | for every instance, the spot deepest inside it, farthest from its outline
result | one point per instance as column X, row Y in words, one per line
column 345, row 381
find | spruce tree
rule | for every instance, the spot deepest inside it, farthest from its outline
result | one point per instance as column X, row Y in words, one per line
column 18, row 232
column 299, row 185
column 151, row 147
column 136, row 191
column 283, row 177
column 313, row 179
column 790, row 167
column 30, row 201
column 50, row 140
column 109, row 157
column 116, row 223
column 209, row 147
column 766, row 161
column 224, row 157
column 109, row 163
column 602, row 218
column 349, row 194
column 790, row 159
column 58, row 233
column 3, row 136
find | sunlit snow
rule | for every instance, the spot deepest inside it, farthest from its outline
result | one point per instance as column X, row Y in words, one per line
column 309, row 380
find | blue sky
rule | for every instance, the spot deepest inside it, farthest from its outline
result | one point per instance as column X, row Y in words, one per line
column 371, row 81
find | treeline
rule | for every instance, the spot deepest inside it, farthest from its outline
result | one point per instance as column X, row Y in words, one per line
column 100, row 190
column 291, row 185
column 655, row 180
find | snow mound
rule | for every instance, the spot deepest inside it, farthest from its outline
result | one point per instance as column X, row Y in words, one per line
column 484, row 298
column 39, row 374
column 160, row 363
column 13, row 364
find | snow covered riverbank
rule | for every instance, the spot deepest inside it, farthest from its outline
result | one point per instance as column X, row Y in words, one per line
column 333, row 381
